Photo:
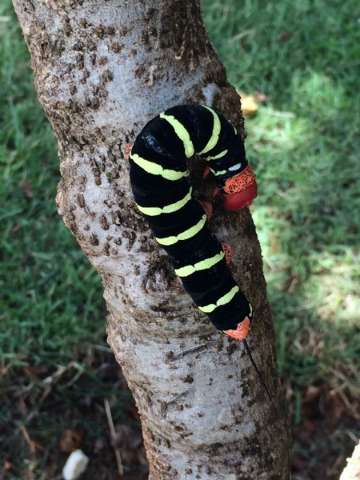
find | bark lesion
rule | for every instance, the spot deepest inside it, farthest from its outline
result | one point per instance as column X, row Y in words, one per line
column 160, row 275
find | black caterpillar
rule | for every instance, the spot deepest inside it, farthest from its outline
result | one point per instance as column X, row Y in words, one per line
column 160, row 182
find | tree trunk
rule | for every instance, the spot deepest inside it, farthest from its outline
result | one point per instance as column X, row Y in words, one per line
column 102, row 70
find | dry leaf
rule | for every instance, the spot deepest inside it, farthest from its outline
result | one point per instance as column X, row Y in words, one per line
column 26, row 188
column 70, row 440
column 284, row 36
column 260, row 97
column 249, row 105
column 7, row 466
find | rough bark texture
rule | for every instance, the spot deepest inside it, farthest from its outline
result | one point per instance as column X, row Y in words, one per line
column 102, row 70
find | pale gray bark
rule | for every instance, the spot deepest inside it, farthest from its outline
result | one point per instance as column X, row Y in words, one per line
column 102, row 70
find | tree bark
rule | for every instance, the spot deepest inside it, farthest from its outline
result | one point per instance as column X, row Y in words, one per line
column 102, row 70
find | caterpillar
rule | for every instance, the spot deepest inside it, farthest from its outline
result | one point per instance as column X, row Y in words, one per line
column 160, row 183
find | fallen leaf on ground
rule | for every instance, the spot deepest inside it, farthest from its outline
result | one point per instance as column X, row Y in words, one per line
column 70, row 440
column 249, row 105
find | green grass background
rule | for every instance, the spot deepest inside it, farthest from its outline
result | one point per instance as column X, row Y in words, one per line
column 304, row 143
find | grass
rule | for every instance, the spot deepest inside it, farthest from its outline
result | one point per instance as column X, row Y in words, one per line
column 304, row 56
column 51, row 299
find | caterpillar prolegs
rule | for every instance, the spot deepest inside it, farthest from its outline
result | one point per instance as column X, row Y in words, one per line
column 161, row 186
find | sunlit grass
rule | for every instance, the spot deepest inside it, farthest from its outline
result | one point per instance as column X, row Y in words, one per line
column 307, row 219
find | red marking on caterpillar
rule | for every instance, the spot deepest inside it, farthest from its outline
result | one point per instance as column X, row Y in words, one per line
column 206, row 172
column 228, row 253
column 127, row 150
column 240, row 190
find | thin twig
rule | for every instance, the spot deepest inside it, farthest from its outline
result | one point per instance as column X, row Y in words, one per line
column 113, row 438
column 32, row 445
column 196, row 349
column 262, row 381
column 183, row 354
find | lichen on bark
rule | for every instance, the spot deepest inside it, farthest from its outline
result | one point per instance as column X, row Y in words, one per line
column 102, row 70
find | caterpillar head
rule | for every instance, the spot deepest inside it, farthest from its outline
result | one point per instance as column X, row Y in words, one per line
column 240, row 190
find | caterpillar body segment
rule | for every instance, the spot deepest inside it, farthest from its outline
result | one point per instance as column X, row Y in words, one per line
column 161, row 186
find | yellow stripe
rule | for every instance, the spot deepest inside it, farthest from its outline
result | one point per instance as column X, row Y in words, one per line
column 172, row 207
column 215, row 133
column 202, row 265
column 156, row 169
column 220, row 172
column 190, row 232
column 222, row 300
column 181, row 132
column 216, row 157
